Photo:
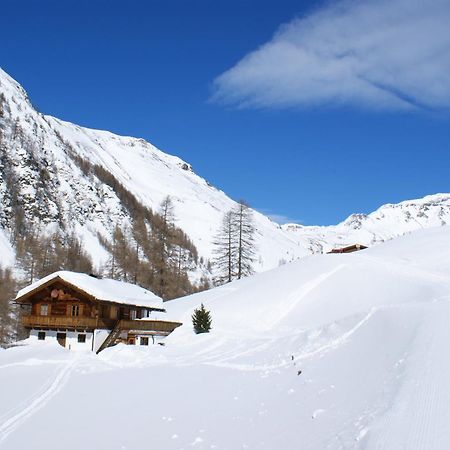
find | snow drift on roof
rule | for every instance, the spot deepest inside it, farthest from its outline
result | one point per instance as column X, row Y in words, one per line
column 102, row 289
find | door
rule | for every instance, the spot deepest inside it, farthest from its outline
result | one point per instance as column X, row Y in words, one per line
column 61, row 337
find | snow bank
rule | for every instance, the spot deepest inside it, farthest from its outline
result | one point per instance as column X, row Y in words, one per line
column 331, row 352
column 325, row 288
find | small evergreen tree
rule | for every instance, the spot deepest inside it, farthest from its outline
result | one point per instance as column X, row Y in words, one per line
column 201, row 319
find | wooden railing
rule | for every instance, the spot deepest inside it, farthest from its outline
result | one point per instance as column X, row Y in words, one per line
column 149, row 325
column 35, row 321
column 85, row 323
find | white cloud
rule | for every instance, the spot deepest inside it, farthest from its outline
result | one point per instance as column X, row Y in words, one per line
column 281, row 219
column 377, row 54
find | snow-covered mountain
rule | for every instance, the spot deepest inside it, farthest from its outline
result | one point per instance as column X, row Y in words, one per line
column 42, row 162
column 387, row 222
column 43, row 167
column 330, row 352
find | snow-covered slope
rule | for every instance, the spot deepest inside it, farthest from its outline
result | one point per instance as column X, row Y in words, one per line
column 42, row 168
column 331, row 352
column 321, row 289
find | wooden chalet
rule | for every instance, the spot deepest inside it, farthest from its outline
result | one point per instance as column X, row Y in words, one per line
column 83, row 311
column 348, row 249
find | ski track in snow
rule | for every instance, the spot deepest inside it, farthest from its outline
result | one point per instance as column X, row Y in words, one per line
column 420, row 409
column 37, row 401
column 306, row 289
column 30, row 362
column 332, row 345
column 410, row 269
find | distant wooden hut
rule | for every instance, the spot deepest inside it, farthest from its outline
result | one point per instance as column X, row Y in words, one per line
column 81, row 311
column 348, row 249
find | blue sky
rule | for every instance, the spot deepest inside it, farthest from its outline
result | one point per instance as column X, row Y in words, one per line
column 342, row 109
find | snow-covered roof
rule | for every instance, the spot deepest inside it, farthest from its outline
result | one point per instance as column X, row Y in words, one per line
column 101, row 288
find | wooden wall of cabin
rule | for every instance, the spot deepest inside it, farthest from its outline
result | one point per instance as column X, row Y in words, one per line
column 65, row 308
column 62, row 301
column 109, row 311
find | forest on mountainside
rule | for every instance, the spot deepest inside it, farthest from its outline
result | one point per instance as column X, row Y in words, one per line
column 152, row 253
column 150, row 250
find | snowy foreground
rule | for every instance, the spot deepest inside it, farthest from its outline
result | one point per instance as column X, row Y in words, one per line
column 369, row 331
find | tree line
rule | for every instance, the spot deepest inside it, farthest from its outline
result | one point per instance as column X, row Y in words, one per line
column 156, row 255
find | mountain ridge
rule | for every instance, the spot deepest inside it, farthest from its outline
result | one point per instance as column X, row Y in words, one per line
column 41, row 170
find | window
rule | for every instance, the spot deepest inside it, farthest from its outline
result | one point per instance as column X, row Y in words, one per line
column 61, row 338
column 144, row 340
column 75, row 310
column 133, row 314
column 113, row 312
column 41, row 335
column 44, row 310
column 81, row 338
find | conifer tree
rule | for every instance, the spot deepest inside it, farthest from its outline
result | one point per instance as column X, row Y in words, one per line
column 225, row 250
column 201, row 320
column 154, row 253
column 245, row 239
column 162, row 247
column 8, row 311
column 234, row 246
column 166, row 211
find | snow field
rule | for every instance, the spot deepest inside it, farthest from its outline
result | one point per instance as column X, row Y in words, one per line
column 331, row 352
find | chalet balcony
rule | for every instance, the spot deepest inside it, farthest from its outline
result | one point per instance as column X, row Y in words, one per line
column 66, row 322
column 88, row 323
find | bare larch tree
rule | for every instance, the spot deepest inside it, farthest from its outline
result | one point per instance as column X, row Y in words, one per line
column 245, row 229
column 234, row 246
